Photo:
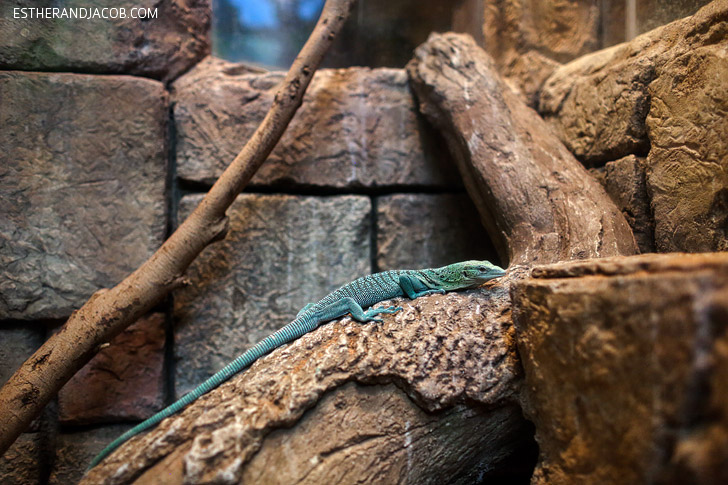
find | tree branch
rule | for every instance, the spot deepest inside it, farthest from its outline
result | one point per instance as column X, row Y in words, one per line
column 536, row 200
column 108, row 312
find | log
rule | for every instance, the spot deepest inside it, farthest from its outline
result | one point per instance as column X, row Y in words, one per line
column 426, row 396
column 538, row 202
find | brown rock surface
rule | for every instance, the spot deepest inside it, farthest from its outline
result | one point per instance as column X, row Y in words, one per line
column 281, row 253
column 649, row 14
column 161, row 47
column 624, row 180
column 23, row 463
column 625, row 364
column 597, row 104
column 687, row 167
column 442, row 351
column 122, row 382
column 529, row 38
column 426, row 231
column 75, row 450
column 82, row 186
column 527, row 74
column 18, row 341
column 357, row 127
column 664, row 91
column 562, row 29
column 532, row 194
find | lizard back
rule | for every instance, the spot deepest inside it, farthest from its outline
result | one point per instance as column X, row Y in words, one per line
column 368, row 290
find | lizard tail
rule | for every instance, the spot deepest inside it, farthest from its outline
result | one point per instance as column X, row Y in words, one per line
column 292, row 331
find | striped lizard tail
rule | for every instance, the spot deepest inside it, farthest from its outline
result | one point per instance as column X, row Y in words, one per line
column 300, row 326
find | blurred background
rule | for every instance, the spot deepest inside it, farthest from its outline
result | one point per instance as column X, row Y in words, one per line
column 383, row 33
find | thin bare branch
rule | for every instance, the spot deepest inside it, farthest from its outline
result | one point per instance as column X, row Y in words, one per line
column 108, row 312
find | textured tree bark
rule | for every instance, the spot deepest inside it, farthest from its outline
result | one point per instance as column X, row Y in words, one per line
column 108, row 312
column 451, row 418
column 535, row 198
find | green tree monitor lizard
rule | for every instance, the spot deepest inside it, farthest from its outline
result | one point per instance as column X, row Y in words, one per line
column 351, row 298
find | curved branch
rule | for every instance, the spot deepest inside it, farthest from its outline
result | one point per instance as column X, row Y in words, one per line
column 538, row 202
column 108, row 312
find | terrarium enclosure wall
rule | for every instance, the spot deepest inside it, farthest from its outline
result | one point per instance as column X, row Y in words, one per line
column 581, row 144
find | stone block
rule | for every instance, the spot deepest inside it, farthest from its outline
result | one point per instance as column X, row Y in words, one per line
column 529, row 38
column 124, row 381
column 75, row 450
column 23, row 463
column 82, row 186
column 425, row 231
column 18, row 343
column 687, row 167
column 625, row 363
column 624, row 180
column 357, row 127
column 597, row 104
column 281, row 252
column 168, row 42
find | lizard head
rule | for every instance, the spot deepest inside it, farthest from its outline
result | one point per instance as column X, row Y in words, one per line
column 467, row 274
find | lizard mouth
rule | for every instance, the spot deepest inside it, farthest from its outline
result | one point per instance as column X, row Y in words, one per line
column 491, row 274
column 497, row 273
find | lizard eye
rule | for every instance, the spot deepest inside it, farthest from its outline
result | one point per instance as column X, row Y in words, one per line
column 482, row 269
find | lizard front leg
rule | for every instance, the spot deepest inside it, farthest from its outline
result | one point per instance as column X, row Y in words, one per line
column 414, row 288
column 349, row 305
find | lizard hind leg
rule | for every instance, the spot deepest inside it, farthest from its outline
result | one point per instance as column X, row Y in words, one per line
column 304, row 309
column 349, row 305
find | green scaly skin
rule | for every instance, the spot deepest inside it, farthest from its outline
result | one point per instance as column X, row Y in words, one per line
column 351, row 298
